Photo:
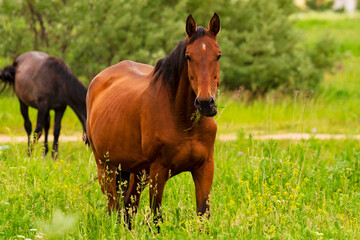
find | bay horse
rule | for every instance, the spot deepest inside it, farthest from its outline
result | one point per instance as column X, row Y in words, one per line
column 140, row 120
column 45, row 82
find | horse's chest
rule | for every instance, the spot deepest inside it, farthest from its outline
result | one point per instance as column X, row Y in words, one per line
column 184, row 156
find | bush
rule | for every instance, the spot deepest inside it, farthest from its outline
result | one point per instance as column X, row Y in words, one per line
column 259, row 45
column 319, row 5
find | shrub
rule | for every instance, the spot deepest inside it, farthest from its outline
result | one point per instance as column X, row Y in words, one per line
column 319, row 5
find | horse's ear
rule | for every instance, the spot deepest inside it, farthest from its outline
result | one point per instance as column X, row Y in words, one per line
column 190, row 26
column 214, row 24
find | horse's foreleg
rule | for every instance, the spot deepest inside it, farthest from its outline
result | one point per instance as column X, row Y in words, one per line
column 27, row 124
column 59, row 113
column 157, row 179
column 203, row 177
column 46, row 130
column 131, row 196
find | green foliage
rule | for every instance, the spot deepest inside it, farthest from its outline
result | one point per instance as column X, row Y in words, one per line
column 319, row 4
column 91, row 35
column 259, row 45
column 263, row 49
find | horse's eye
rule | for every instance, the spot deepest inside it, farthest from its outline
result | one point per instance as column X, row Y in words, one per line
column 218, row 57
column 187, row 57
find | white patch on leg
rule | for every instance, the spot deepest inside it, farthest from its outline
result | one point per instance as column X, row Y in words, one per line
column 204, row 46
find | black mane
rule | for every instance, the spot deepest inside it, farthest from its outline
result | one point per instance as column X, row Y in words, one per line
column 170, row 67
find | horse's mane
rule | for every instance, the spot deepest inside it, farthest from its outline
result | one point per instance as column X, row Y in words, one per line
column 169, row 68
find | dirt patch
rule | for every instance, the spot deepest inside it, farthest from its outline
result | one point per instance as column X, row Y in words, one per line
column 17, row 139
column 290, row 136
column 222, row 137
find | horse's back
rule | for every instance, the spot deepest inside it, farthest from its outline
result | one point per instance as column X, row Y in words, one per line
column 125, row 76
column 114, row 102
column 122, row 72
column 29, row 63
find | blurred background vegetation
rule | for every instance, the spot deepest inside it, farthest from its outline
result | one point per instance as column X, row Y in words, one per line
column 262, row 50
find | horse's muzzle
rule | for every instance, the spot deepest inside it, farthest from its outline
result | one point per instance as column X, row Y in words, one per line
column 206, row 107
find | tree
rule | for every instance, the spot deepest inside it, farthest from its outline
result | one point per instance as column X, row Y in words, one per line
column 259, row 45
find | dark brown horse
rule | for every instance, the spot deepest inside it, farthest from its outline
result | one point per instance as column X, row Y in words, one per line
column 44, row 82
column 141, row 120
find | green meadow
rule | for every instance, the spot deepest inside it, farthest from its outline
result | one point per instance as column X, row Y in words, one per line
column 263, row 189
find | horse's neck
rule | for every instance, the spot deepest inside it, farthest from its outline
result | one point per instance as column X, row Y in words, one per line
column 77, row 101
column 184, row 101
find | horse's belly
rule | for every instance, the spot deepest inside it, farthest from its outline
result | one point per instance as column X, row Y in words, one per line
column 26, row 96
column 115, row 135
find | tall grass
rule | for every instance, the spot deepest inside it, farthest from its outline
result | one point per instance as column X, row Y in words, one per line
column 261, row 189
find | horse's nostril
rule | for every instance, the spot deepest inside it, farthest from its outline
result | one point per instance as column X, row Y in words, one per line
column 197, row 103
column 212, row 102
column 208, row 103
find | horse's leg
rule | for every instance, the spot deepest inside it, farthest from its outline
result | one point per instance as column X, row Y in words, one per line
column 203, row 177
column 40, row 121
column 157, row 179
column 46, row 130
column 122, row 181
column 131, row 196
column 107, row 181
column 59, row 113
column 27, row 124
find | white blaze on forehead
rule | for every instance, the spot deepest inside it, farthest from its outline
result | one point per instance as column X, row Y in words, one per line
column 204, row 46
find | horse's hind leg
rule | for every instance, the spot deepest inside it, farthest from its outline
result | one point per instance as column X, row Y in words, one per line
column 43, row 111
column 27, row 124
column 59, row 113
column 137, row 184
column 46, row 130
column 107, row 181
column 122, row 181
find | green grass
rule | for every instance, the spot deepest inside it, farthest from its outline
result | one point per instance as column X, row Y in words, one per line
column 261, row 189
column 344, row 28
column 12, row 123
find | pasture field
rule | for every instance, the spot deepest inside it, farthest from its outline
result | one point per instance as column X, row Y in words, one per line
column 306, row 189
column 261, row 189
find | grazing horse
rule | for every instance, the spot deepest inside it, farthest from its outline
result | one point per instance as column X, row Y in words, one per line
column 140, row 122
column 44, row 82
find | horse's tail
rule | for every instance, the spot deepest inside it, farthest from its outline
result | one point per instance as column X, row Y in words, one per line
column 7, row 75
column 86, row 138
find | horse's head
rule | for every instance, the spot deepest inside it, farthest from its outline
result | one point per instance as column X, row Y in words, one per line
column 202, row 55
